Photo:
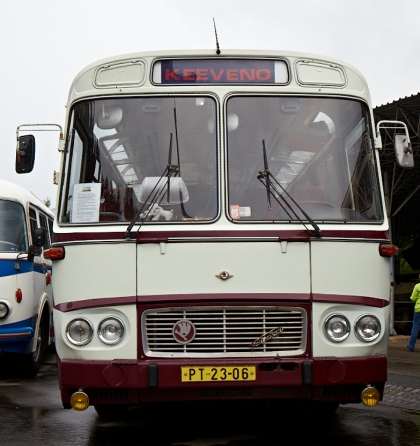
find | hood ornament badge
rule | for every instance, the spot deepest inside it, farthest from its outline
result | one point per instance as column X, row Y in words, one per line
column 224, row 275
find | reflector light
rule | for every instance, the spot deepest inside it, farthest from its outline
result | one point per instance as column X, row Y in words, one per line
column 18, row 295
column 370, row 397
column 388, row 250
column 47, row 278
column 57, row 253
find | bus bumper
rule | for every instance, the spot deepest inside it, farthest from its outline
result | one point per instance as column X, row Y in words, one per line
column 338, row 380
column 16, row 339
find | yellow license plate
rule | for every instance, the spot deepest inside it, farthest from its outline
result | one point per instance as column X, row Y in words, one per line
column 218, row 373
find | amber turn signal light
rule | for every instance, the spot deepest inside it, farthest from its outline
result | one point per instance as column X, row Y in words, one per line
column 57, row 253
column 388, row 250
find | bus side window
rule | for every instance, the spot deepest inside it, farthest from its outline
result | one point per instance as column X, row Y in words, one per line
column 34, row 224
column 44, row 225
column 33, row 220
column 50, row 229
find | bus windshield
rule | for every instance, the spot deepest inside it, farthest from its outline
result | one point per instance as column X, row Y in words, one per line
column 318, row 152
column 151, row 157
column 13, row 232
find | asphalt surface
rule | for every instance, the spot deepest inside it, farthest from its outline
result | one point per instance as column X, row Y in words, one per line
column 31, row 413
column 403, row 386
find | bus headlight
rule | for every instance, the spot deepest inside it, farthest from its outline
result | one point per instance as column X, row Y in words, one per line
column 79, row 331
column 4, row 310
column 336, row 328
column 367, row 328
column 111, row 330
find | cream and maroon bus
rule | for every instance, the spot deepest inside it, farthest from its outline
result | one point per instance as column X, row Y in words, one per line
column 221, row 232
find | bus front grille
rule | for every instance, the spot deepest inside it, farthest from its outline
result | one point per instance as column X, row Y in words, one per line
column 225, row 331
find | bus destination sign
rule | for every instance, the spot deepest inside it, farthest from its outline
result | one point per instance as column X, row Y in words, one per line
column 220, row 71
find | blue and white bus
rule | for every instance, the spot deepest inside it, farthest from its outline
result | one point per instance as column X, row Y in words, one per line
column 26, row 298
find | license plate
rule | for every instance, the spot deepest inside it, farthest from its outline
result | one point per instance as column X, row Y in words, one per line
column 218, row 373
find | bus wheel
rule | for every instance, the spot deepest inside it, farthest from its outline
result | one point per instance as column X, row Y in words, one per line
column 30, row 363
column 112, row 412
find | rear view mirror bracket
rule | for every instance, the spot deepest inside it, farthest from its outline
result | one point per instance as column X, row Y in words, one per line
column 401, row 142
column 25, row 145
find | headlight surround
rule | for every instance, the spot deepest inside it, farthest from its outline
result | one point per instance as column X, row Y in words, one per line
column 367, row 328
column 79, row 331
column 336, row 327
column 4, row 310
column 111, row 330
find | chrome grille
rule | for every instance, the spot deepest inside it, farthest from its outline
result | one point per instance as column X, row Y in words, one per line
column 226, row 331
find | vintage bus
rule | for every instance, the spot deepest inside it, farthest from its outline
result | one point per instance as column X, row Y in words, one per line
column 26, row 299
column 221, row 233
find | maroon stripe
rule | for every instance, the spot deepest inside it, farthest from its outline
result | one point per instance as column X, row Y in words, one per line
column 258, row 298
column 240, row 297
column 171, row 298
column 163, row 236
column 354, row 300
column 95, row 303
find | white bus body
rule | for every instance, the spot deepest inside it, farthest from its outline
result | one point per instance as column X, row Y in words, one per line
column 260, row 270
column 26, row 300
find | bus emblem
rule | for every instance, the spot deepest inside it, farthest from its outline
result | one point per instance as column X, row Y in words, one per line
column 183, row 331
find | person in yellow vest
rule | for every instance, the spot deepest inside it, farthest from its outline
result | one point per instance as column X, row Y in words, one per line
column 415, row 297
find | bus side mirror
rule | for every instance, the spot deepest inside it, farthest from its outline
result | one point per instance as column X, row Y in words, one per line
column 25, row 154
column 38, row 236
column 403, row 150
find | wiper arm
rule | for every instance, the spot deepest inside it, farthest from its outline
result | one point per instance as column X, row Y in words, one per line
column 157, row 193
column 268, row 180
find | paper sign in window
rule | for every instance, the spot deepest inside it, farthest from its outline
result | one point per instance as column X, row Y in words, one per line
column 86, row 199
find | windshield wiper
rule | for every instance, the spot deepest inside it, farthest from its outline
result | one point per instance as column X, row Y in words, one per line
column 270, row 182
column 157, row 193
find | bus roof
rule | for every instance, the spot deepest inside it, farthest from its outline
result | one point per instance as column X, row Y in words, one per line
column 12, row 191
column 132, row 73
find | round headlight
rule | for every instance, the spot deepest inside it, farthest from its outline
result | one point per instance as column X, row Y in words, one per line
column 79, row 331
column 367, row 328
column 336, row 327
column 4, row 310
column 111, row 330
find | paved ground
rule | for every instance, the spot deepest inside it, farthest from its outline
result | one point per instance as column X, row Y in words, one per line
column 403, row 387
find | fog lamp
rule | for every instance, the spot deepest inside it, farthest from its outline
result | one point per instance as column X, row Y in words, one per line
column 79, row 401
column 370, row 397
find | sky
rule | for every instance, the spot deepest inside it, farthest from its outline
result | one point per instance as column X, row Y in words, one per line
column 45, row 43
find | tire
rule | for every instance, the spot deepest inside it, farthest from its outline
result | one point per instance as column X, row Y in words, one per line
column 31, row 362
